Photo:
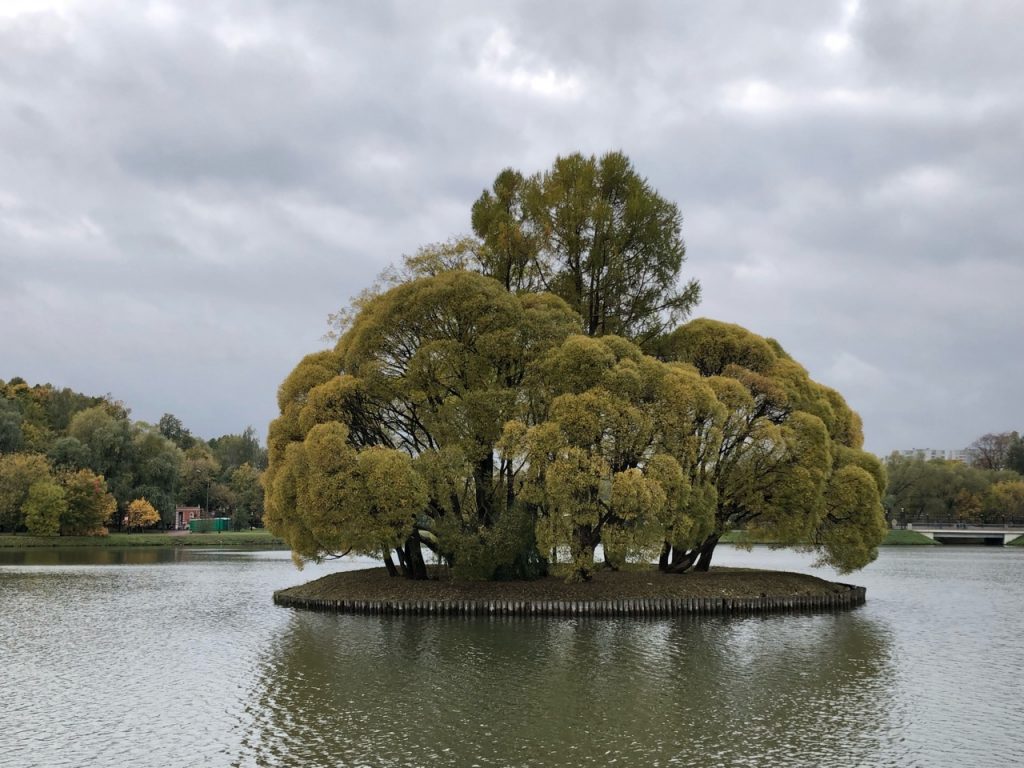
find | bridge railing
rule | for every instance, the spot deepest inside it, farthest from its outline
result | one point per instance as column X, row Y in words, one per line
column 953, row 525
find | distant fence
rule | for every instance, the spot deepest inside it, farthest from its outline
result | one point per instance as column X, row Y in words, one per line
column 927, row 523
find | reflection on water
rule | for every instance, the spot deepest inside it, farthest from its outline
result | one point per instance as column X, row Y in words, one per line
column 777, row 690
column 170, row 657
column 93, row 556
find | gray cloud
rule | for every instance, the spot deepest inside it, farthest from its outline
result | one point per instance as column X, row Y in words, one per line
column 186, row 190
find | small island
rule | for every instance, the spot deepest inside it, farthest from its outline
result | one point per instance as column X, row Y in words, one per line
column 631, row 592
column 526, row 409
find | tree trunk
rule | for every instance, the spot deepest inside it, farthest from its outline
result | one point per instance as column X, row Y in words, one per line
column 483, row 479
column 402, row 561
column 666, row 550
column 390, row 564
column 586, row 542
column 612, row 560
column 681, row 560
column 414, row 557
column 707, row 550
column 510, row 494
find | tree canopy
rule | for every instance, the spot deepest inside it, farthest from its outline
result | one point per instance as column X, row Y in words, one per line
column 589, row 230
column 509, row 440
column 592, row 231
column 141, row 514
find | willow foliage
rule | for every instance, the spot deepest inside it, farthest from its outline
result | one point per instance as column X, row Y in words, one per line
column 481, row 424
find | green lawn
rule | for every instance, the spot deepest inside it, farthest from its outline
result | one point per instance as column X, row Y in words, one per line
column 901, row 537
column 255, row 538
column 1018, row 542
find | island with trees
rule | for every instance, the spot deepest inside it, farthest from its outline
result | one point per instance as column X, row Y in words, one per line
column 528, row 407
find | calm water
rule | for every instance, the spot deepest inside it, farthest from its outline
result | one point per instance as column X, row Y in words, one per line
column 179, row 658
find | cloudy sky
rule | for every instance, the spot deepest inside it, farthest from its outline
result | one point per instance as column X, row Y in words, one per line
column 187, row 190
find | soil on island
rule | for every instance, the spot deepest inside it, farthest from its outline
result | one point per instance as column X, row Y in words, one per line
column 375, row 584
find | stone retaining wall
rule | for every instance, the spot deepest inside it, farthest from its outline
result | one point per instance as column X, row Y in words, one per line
column 653, row 607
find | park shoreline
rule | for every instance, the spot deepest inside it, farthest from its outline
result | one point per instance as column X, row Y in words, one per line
column 255, row 538
column 630, row 593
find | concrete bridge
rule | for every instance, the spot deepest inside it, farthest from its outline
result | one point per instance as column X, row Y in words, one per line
column 961, row 533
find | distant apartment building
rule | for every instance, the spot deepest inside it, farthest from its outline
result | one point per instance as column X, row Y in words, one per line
column 961, row 455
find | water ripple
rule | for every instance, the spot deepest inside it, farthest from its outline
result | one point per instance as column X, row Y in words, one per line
column 182, row 660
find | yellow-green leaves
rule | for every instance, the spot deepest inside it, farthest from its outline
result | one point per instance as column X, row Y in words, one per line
column 419, row 388
column 455, row 413
column 789, row 466
column 43, row 508
column 89, row 505
column 711, row 345
column 854, row 521
column 141, row 514
column 314, row 369
column 328, row 497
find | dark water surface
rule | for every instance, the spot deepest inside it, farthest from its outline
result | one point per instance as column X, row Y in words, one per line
column 178, row 658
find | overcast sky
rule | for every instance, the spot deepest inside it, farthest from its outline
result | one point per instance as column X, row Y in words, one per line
column 187, row 190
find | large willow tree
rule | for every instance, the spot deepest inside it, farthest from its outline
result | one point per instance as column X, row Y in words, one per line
column 493, row 403
column 482, row 425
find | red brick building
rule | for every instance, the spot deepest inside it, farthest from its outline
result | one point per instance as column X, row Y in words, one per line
column 182, row 516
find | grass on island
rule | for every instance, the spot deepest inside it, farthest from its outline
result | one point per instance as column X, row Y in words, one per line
column 632, row 582
column 254, row 538
column 1018, row 542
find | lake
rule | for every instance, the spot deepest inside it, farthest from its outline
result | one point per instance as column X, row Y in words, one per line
column 167, row 657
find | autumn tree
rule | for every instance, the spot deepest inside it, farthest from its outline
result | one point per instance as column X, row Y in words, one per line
column 74, row 432
column 198, row 471
column 89, row 505
column 43, row 508
column 1004, row 501
column 605, row 461
column 141, row 514
column 501, row 385
column 18, row 473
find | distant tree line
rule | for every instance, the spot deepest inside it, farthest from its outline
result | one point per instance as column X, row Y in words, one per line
column 988, row 488
column 75, row 464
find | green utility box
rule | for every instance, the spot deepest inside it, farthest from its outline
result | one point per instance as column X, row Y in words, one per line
column 209, row 525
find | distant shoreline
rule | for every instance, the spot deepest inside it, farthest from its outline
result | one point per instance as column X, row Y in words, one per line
column 254, row 538
column 263, row 538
